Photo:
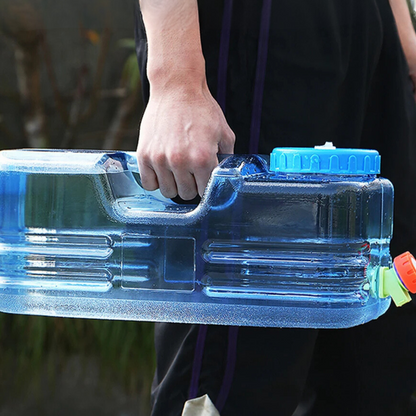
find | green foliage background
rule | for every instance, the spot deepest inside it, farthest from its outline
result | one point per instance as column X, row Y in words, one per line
column 34, row 350
column 78, row 43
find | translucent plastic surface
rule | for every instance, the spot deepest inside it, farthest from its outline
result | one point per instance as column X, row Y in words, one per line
column 79, row 237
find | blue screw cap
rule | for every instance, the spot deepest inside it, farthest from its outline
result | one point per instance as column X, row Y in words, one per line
column 326, row 159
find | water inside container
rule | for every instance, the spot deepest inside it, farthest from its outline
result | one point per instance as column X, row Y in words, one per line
column 80, row 237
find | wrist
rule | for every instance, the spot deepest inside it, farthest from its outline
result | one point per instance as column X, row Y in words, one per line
column 175, row 58
column 185, row 78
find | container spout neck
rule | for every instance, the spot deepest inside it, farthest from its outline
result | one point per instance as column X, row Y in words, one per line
column 398, row 280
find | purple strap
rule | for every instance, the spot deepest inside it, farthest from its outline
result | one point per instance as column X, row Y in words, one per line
column 197, row 364
column 223, row 54
column 229, row 370
column 260, row 76
column 254, row 143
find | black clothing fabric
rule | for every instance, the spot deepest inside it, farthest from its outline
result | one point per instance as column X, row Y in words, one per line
column 335, row 72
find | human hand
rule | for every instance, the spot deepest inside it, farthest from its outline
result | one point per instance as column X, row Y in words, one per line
column 180, row 135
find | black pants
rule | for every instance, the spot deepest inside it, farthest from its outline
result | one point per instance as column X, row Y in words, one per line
column 368, row 370
column 333, row 71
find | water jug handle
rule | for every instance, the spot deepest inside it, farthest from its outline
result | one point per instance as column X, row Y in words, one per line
column 123, row 180
column 131, row 203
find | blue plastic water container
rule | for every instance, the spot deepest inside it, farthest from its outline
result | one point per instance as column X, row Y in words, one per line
column 292, row 240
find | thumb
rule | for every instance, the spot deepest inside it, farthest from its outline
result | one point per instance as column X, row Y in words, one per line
column 226, row 144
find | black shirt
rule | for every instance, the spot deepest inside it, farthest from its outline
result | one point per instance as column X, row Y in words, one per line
column 300, row 73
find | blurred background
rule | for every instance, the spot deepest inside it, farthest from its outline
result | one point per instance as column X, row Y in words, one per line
column 69, row 79
column 68, row 74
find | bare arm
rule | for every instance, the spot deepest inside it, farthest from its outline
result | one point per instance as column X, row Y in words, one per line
column 407, row 35
column 183, row 128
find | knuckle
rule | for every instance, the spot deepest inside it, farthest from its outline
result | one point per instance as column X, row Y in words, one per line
column 143, row 160
column 158, row 159
column 177, row 160
column 204, row 160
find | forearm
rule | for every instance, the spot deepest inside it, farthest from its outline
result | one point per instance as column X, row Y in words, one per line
column 183, row 127
column 404, row 25
column 174, row 46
